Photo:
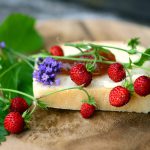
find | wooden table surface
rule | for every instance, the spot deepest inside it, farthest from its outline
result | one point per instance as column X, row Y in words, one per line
column 67, row 130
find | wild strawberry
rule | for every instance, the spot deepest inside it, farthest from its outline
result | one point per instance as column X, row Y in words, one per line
column 116, row 72
column 142, row 85
column 14, row 122
column 56, row 51
column 18, row 104
column 80, row 75
column 119, row 96
column 87, row 110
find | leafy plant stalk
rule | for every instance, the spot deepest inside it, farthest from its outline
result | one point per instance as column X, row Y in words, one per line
column 71, row 88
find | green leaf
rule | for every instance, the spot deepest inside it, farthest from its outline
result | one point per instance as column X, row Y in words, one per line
column 18, row 78
column 128, row 85
column 79, row 46
column 9, row 79
column 18, row 32
column 133, row 43
column 143, row 58
column 25, row 81
column 3, row 132
column 90, row 101
column 90, row 67
column 2, row 138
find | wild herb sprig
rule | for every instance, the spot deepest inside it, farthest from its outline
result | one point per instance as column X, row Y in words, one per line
column 94, row 50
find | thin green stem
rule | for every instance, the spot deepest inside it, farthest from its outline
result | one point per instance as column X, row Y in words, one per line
column 18, row 92
column 24, row 58
column 10, row 68
column 145, row 68
column 129, row 75
column 28, row 63
column 4, row 100
column 34, row 107
column 81, row 54
column 114, row 48
column 81, row 59
column 85, row 92
column 143, row 53
column 80, row 49
column 95, row 58
column 71, row 88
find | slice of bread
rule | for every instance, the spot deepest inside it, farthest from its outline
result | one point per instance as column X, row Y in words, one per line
column 99, row 88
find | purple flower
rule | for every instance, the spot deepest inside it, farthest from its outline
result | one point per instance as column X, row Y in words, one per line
column 2, row 45
column 47, row 71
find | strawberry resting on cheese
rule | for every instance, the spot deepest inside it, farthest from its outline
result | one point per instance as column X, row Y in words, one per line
column 97, row 79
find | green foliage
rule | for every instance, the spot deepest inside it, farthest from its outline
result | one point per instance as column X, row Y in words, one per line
column 133, row 43
column 4, row 104
column 18, row 32
column 128, row 85
column 90, row 101
column 145, row 57
column 18, row 78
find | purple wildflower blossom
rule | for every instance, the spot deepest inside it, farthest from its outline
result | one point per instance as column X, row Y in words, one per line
column 2, row 45
column 47, row 71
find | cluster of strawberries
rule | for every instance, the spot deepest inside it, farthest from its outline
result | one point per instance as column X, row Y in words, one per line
column 119, row 95
column 14, row 122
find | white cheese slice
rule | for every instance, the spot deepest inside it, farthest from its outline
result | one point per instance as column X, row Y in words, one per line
column 99, row 88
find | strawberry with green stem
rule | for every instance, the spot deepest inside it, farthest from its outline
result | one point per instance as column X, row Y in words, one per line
column 90, row 63
column 88, row 107
column 26, row 116
column 56, row 51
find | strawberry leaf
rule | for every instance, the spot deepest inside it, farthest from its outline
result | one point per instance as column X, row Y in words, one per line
column 18, row 32
column 143, row 58
column 133, row 43
column 90, row 101
column 128, row 85
column 90, row 67
column 3, row 113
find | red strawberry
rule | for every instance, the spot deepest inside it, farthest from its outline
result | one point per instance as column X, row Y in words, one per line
column 18, row 104
column 80, row 75
column 87, row 110
column 56, row 51
column 142, row 85
column 119, row 96
column 116, row 72
column 14, row 122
